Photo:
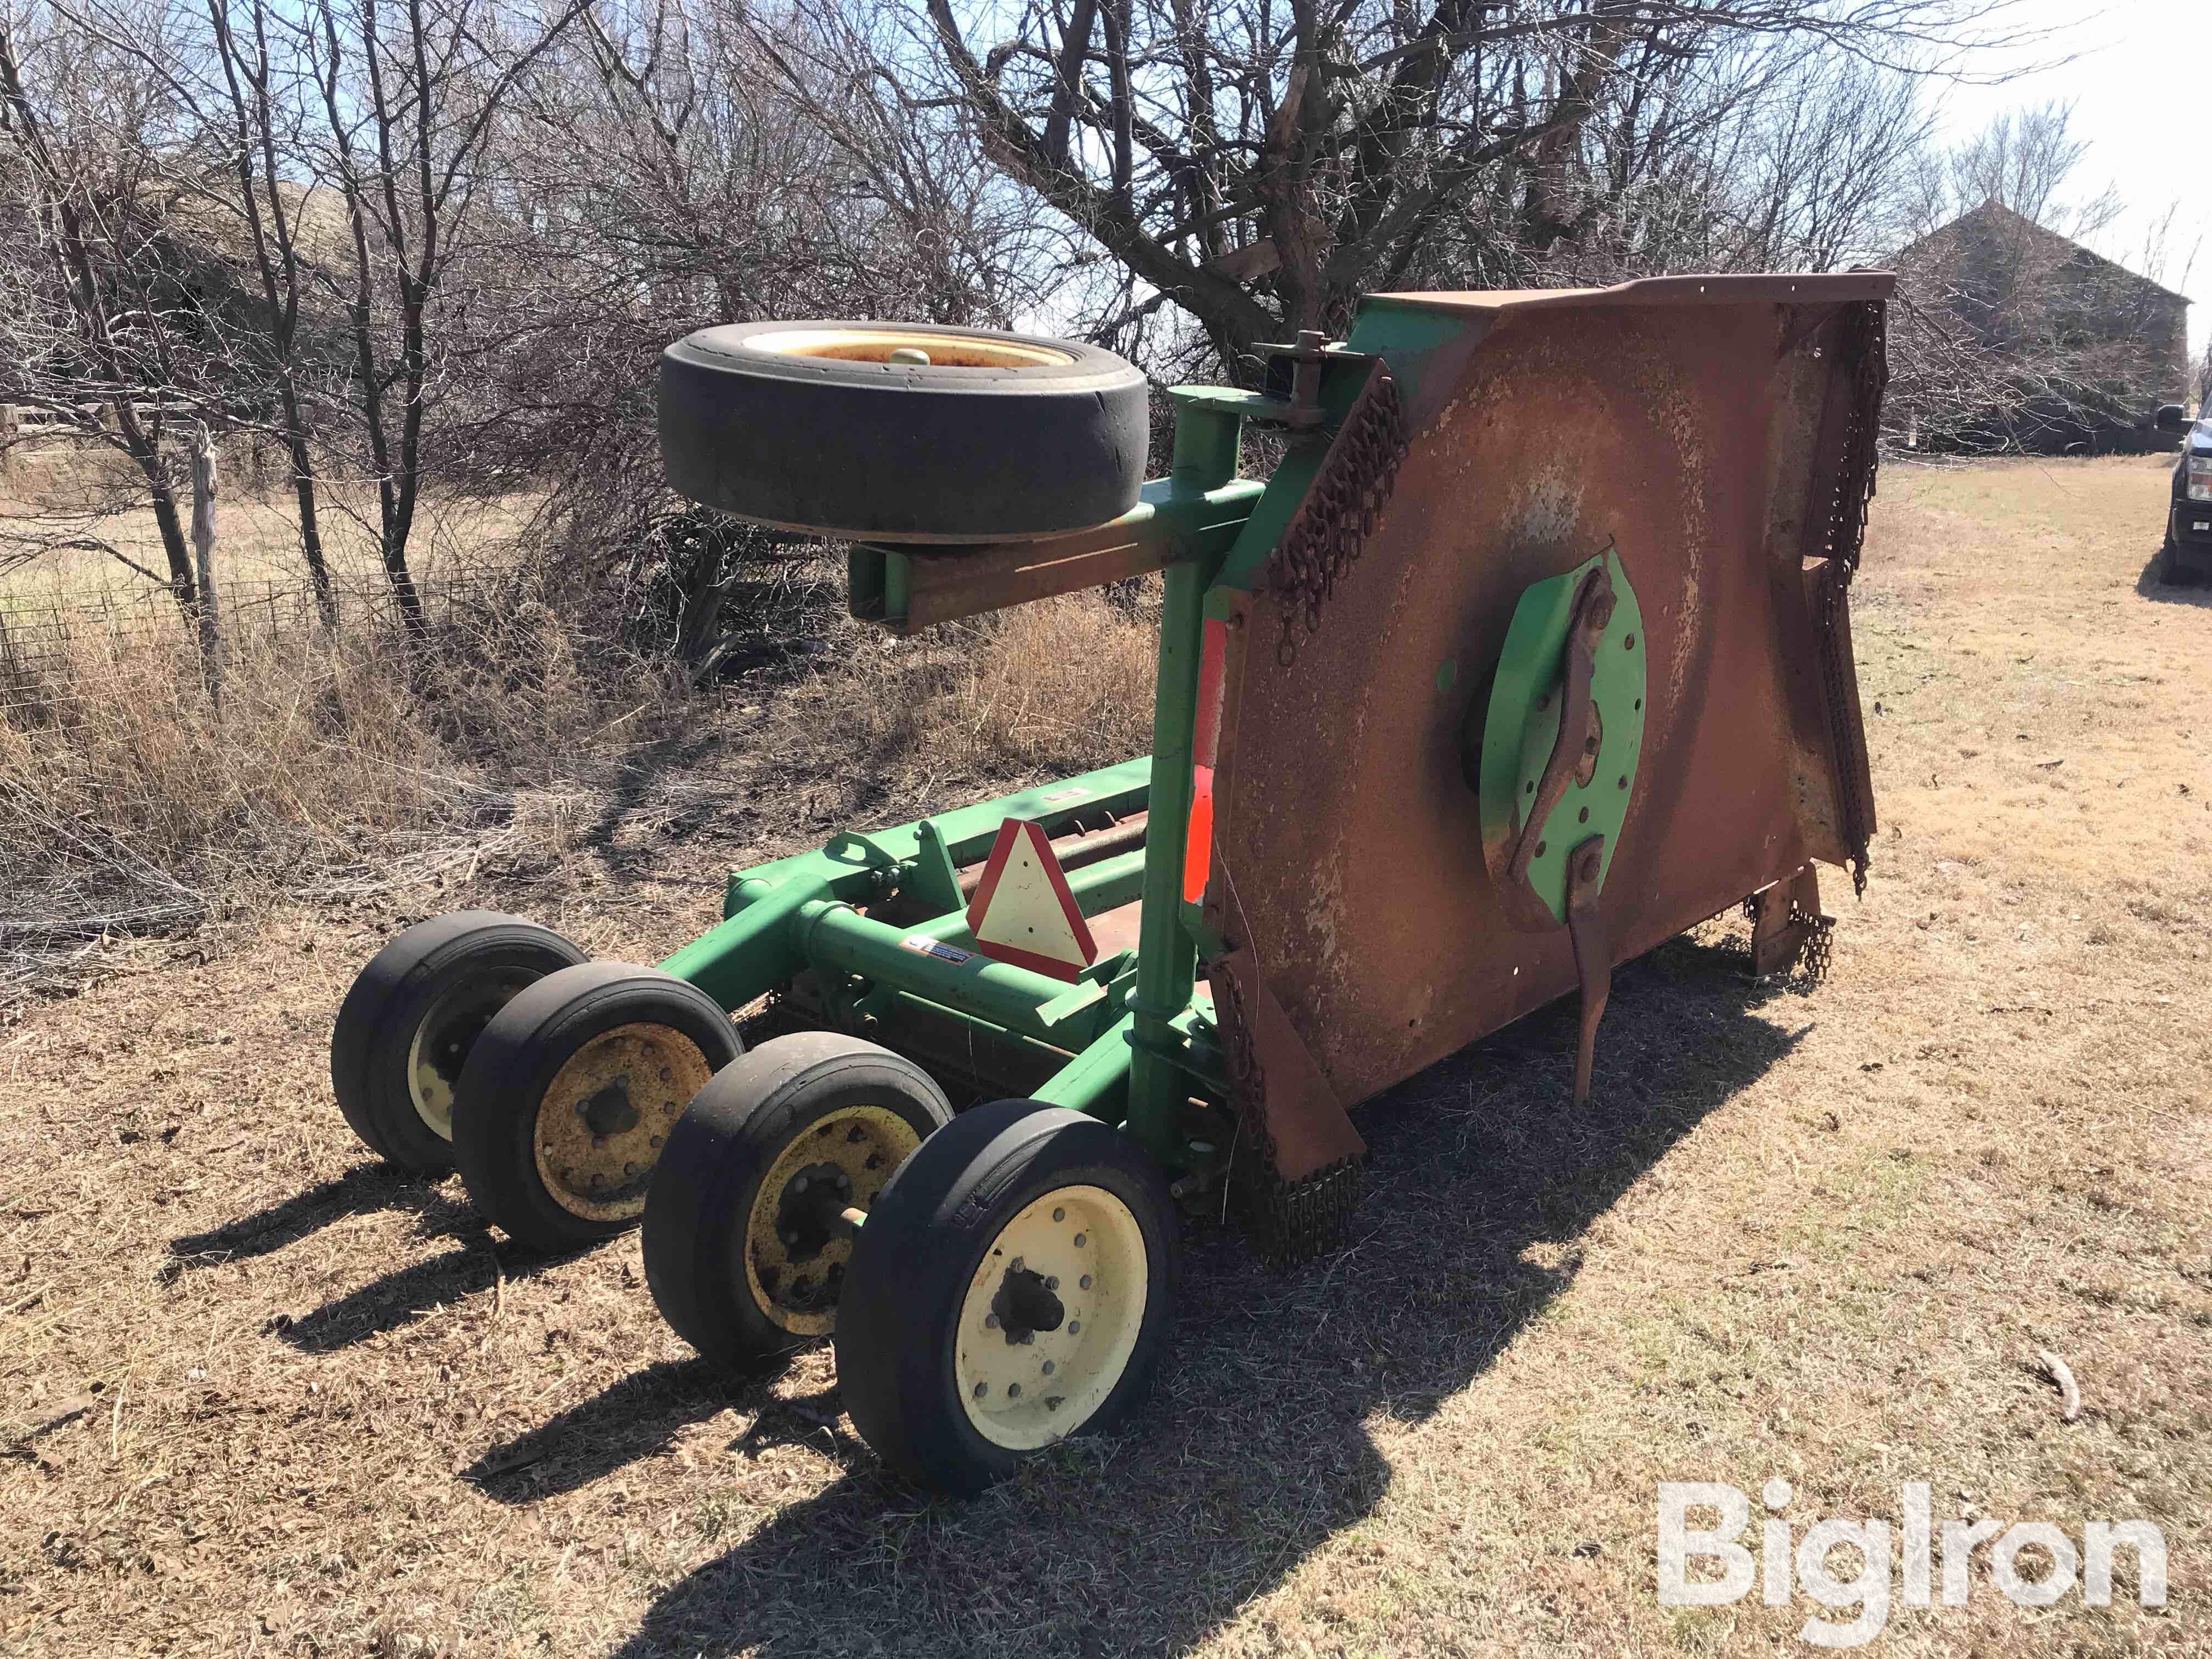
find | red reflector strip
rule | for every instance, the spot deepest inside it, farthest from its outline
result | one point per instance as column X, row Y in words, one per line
column 1198, row 837
column 1206, row 739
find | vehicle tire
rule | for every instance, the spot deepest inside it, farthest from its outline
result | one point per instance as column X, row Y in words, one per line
column 745, row 1249
column 411, row 1016
column 1010, row 1289
column 812, row 426
column 571, row 1090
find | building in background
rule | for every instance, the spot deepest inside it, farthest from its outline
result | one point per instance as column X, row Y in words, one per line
column 2010, row 337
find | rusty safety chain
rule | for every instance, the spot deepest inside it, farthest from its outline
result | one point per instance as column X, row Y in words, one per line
column 1864, row 341
column 1289, row 1221
column 1813, row 957
column 1340, row 510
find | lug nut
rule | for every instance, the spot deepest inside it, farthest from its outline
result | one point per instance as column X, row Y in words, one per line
column 990, row 1322
column 1060, row 1215
column 1051, row 1282
column 982, row 1388
column 1014, row 1390
column 1084, row 1283
column 799, row 1183
column 1078, row 1240
column 1074, row 1327
column 1017, row 1264
column 1048, row 1368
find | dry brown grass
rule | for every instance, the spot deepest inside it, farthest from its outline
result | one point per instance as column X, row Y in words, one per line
column 1818, row 1238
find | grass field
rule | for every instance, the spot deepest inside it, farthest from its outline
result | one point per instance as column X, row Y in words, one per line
column 261, row 1397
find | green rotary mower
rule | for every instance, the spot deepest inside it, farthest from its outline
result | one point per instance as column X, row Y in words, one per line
column 1533, row 651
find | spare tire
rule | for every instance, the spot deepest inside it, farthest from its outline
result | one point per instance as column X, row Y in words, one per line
column 906, row 432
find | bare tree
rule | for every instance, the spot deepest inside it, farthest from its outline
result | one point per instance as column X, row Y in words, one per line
column 94, row 315
column 1262, row 168
column 409, row 103
column 259, row 87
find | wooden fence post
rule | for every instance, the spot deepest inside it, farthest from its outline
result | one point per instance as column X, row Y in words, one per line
column 203, row 489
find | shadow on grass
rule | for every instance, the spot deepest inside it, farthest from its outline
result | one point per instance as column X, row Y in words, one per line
column 402, row 1296
column 2151, row 585
column 365, row 1187
column 1254, row 1449
column 640, row 1416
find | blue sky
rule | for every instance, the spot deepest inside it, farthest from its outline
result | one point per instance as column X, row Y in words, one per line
column 2141, row 85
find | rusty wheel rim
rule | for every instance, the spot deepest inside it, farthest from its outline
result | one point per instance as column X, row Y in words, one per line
column 797, row 1248
column 604, row 1119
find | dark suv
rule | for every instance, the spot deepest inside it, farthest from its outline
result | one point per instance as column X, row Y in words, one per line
column 2188, row 550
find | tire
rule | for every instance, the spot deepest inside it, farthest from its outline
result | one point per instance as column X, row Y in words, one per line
column 412, row 1015
column 940, row 1308
column 743, row 1248
column 570, row 1092
column 809, row 426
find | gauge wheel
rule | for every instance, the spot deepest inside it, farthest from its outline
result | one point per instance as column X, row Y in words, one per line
column 571, row 1092
column 903, row 431
column 1010, row 1289
column 411, row 1016
column 746, row 1243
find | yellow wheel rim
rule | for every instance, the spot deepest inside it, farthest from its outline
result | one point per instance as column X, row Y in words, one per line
column 602, row 1122
column 1051, row 1317
column 796, row 1247
column 877, row 346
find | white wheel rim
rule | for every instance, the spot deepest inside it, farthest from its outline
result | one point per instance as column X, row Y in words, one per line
column 1024, row 1387
column 436, row 1051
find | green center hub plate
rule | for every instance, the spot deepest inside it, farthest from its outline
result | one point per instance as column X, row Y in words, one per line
column 1521, row 723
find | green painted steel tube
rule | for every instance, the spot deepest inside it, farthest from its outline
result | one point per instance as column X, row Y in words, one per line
column 1092, row 1081
column 750, row 952
column 836, row 936
column 1167, row 960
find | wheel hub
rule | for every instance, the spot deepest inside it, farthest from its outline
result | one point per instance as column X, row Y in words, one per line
column 809, row 1212
column 1025, row 1306
column 797, row 1242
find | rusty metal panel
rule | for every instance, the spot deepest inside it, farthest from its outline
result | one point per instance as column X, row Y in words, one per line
column 1692, row 424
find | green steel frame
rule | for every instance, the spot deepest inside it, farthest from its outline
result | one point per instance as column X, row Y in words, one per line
column 1135, row 1025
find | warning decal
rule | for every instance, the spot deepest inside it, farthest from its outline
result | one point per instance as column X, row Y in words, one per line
column 1023, row 911
column 930, row 947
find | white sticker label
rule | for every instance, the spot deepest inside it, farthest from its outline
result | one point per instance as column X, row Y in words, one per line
column 930, row 947
column 1073, row 793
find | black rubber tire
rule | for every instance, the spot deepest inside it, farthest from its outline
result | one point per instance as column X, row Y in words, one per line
column 518, row 1058
column 413, row 977
column 913, row 1262
column 873, row 450
column 699, row 1210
